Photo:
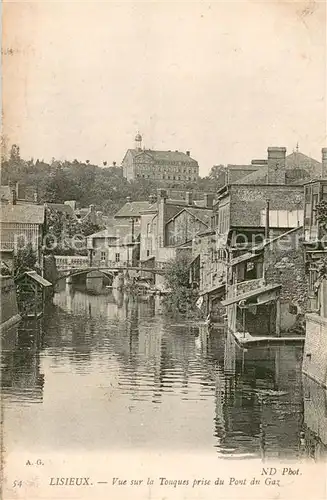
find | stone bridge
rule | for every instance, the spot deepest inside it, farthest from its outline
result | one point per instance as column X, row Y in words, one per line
column 78, row 265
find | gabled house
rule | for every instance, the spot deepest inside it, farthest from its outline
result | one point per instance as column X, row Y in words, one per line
column 295, row 168
column 315, row 243
column 267, row 287
column 20, row 225
column 117, row 246
column 246, row 215
column 183, row 226
column 168, row 227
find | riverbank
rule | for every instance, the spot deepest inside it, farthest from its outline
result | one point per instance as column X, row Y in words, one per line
column 9, row 308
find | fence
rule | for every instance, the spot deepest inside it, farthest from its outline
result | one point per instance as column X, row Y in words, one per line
column 71, row 261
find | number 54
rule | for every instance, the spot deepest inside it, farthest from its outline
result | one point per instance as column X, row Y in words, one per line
column 17, row 483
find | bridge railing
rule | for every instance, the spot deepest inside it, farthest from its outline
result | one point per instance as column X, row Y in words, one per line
column 67, row 262
column 71, row 261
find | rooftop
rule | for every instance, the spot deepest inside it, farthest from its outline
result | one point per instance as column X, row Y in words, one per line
column 164, row 155
column 117, row 232
column 203, row 215
column 61, row 207
column 134, row 208
column 22, row 214
column 293, row 161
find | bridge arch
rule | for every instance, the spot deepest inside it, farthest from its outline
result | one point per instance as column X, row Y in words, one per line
column 79, row 272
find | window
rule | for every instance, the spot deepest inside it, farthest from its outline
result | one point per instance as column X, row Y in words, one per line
column 147, row 253
column 117, row 257
column 103, row 256
column 315, row 197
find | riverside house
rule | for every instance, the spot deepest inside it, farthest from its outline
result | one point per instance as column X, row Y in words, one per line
column 245, row 216
column 117, row 246
column 169, row 226
column 21, row 223
column 315, row 243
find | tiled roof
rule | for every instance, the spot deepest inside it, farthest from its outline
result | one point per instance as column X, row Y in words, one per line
column 202, row 215
column 39, row 279
column 61, row 207
column 295, row 160
column 22, row 214
column 257, row 177
column 165, row 155
column 117, row 231
column 298, row 160
column 170, row 211
column 241, row 167
column 133, row 209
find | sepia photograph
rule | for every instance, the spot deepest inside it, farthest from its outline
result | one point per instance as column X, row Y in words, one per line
column 163, row 239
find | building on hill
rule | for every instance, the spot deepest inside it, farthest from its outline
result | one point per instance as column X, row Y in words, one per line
column 163, row 167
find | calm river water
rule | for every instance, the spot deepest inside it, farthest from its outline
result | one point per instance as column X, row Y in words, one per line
column 108, row 372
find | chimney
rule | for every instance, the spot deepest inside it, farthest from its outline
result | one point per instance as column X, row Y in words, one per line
column 189, row 198
column 114, row 163
column 259, row 163
column 208, row 200
column 91, row 208
column 161, row 195
column 324, row 163
column 128, row 199
column 13, row 193
column 276, row 165
column 36, row 197
column 188, row 153
column 152, row 199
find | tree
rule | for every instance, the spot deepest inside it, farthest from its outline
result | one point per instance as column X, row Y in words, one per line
column 65, row 234
column 177, row 272
column 56, row 185
column 321, row 210
column 25, row 260
column 181, row 298
column 87, row 227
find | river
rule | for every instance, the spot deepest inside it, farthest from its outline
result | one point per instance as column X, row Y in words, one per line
column 105, row 371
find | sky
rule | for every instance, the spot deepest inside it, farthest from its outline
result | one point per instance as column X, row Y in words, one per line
column 224, row 80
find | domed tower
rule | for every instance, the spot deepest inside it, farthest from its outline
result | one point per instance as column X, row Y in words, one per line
column 138, row 141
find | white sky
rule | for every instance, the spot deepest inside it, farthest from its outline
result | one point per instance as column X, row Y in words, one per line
column 224, row 80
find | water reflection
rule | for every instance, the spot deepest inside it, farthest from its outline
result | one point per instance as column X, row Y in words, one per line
column 21, row 378
column 315, row 419
column 108, row 357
